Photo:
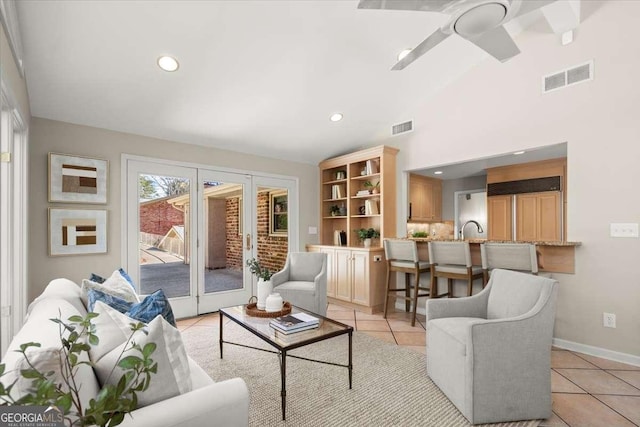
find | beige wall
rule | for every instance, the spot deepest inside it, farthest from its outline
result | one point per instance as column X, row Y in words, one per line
column 498, row 108
column 12, row 78
column 52, row 136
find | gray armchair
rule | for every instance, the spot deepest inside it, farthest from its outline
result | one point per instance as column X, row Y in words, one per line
column 303, row 281
column 491, row 353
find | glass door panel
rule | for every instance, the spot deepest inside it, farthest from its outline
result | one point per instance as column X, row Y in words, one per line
column 275, row 220
column 225, row 225
column 160, row 240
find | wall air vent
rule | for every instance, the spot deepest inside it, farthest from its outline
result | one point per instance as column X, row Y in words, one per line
column 402, row 128
column 568, row 77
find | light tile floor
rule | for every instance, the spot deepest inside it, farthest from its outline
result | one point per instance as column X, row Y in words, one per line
column 587, row 391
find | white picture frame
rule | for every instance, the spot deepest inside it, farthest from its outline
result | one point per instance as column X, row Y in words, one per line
column 77, row 179
column 77, row 231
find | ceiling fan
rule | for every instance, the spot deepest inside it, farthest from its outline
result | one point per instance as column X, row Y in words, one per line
column 479, row 21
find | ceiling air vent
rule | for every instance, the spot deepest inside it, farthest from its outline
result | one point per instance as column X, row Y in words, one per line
column 568, row 77
column 402, row 128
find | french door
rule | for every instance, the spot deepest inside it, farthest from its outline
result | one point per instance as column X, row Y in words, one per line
column 191, row 230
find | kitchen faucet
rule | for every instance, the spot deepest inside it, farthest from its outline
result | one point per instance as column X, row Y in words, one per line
column 461, row 232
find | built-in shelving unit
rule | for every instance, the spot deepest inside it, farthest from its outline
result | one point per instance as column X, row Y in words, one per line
column 358, row 191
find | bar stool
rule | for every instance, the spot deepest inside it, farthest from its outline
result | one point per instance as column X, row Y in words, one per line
column 509, row 256
column 402, row 256
column 453, row 261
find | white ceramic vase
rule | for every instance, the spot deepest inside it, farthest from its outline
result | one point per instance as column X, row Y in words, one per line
column 274, row 303
column 367, row 243
column 264, row 289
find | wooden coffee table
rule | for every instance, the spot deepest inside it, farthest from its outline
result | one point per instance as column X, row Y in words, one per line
column 259, row 326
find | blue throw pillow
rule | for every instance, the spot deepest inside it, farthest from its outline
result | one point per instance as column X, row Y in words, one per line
column 151, row 306
column 112, row 301
column 97, row 278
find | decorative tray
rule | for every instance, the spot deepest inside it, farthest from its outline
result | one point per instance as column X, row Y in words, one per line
column 252, row 310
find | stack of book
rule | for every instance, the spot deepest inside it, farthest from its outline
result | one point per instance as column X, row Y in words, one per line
column 292, row 323
column 362, row 193
column 336, row 192
column 371, row 207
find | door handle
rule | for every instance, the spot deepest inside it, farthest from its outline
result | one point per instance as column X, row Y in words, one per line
column 248, row 242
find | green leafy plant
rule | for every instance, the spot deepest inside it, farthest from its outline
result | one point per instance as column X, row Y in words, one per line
column 112, row 402
column 367, row 233
column 258, row 270
column 420, row 234
column 371, row 186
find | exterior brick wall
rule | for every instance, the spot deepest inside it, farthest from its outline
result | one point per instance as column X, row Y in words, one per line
column 158, row 216
column 272, row 250
column 234, row 238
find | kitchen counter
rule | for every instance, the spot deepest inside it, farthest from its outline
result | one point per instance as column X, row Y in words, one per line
column 448, row 239
column 553, row 256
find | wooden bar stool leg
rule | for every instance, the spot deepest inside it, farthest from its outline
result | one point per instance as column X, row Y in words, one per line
column 434, row 284
column 415, row 297
column 386, row 295
column 450, row 287
column 407, row 291
column 470, row 286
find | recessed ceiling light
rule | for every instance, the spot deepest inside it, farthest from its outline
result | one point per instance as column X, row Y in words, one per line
column 336, row 117
column 437, row 173
column 168, row 63
column 403, row 54
column 517, row 153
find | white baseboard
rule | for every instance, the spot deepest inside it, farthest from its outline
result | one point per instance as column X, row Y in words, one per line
column 616, row 356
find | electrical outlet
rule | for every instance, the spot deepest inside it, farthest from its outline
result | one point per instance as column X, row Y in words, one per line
column 377, row 258
column 608, row 320
column 624, row 229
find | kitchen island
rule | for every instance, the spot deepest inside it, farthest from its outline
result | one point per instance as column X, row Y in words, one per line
column 553, row 256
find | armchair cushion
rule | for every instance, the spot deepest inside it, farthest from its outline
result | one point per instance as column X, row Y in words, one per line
column 304, row 266
column 512, row 294
column 456, row 329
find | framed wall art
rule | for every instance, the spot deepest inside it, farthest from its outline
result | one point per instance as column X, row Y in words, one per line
column 77, row 231
column 75, row 179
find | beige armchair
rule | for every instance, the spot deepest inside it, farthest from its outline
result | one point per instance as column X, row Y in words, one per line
column 491, row 353
column 303, row 281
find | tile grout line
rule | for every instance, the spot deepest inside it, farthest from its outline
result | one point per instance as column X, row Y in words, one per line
column 613, row 409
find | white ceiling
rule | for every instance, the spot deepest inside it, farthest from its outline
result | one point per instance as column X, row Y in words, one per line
column 255, row 76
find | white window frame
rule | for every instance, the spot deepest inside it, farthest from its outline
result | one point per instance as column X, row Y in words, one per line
column 14, row 187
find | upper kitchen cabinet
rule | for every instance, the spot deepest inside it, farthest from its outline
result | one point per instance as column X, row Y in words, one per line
column 527, row 202
column 499, row 215
column 425, row 198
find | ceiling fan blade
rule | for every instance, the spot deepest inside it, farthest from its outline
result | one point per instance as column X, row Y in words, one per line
column 527, row 6
column 420, row 5
column 497, row 43
column 427, row 44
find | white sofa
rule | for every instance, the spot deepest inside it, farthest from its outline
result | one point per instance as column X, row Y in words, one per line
column 226, row 402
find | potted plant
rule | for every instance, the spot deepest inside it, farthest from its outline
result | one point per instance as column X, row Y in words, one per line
column 264, row 281
column 112, row 403
column 373, row 188
column 335, row 210
column 366, row 234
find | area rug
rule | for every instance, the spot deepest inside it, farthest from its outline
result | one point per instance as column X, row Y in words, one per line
column 390, row 383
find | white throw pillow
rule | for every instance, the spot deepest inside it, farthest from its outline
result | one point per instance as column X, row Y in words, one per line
column 115, row 285
column 173, row 377
column 112, row 328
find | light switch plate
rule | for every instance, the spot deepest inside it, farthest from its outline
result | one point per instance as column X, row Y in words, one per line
column 624, row 229
column 313, row 230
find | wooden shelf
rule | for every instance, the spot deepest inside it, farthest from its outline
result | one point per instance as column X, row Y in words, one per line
column 336, row 181
column 365, row 177
column 335, row 217
column 366, row 196
column 335, row 200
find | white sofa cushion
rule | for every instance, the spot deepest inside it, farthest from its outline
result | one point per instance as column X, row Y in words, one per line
column 173, row 376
